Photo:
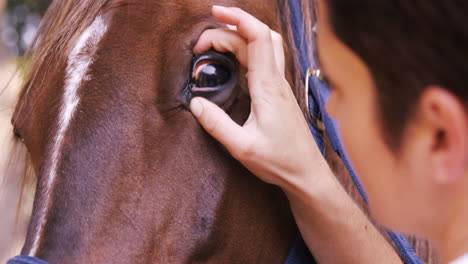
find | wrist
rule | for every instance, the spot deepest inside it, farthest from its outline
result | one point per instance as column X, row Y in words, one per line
column 313, row 186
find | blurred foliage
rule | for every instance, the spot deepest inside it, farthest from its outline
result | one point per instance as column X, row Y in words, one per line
column 22, row 20
column 39, row 6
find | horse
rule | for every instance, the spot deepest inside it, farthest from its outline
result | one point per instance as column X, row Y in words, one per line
column 123, row 171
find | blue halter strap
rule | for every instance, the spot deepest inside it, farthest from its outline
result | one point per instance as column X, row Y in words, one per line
column 25, row 260
column 317, row 96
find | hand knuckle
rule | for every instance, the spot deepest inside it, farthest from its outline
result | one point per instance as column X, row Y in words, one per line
column 277, row 36
column 264, row 32
column 247, row 151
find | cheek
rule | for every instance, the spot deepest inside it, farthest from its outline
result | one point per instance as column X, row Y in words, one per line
column 359, row 134
column 356, row 129
column 371, row 158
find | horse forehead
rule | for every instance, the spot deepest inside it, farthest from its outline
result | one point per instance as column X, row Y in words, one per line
column 175, row 14
column 150, row 35
column 145, row 26
column 157, row 25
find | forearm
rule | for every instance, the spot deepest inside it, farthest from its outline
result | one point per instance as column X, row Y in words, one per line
column 333, row 226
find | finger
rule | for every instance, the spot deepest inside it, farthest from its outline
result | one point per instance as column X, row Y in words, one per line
column 219, row 125
column 279, row 51
column 223, row 40
column 258, row 36
column 278, row 46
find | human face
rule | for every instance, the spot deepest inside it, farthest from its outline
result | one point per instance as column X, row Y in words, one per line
column 388, row 177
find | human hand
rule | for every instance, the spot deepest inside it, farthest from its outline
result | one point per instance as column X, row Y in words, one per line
column 275, row 142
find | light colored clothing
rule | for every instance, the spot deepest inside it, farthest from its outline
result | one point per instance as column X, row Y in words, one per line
column 461, row 260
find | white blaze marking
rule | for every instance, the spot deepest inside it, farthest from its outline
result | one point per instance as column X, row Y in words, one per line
column 78, row 64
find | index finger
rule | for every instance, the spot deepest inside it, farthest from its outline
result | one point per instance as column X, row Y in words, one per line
column 261, row 54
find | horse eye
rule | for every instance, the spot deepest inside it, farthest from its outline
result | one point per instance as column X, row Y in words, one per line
column 213, row 76
column 18, row 134
column 208, row 75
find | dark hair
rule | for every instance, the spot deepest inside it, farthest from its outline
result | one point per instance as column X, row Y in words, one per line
column 408, row 46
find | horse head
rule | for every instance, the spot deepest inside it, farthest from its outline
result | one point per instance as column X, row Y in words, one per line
column 124, row 171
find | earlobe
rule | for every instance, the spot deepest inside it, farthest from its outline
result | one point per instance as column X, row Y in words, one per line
column 446, row 118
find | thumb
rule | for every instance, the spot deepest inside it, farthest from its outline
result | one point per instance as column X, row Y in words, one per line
column 219, row 125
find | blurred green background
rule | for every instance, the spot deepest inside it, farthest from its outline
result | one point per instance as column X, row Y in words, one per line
column 20, row 20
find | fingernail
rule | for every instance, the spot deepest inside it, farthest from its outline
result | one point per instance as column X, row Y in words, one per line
column 196, row 107
column 219, row 8
column 231, row 27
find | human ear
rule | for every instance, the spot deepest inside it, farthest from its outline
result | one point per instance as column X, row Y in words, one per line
column 443, row 119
